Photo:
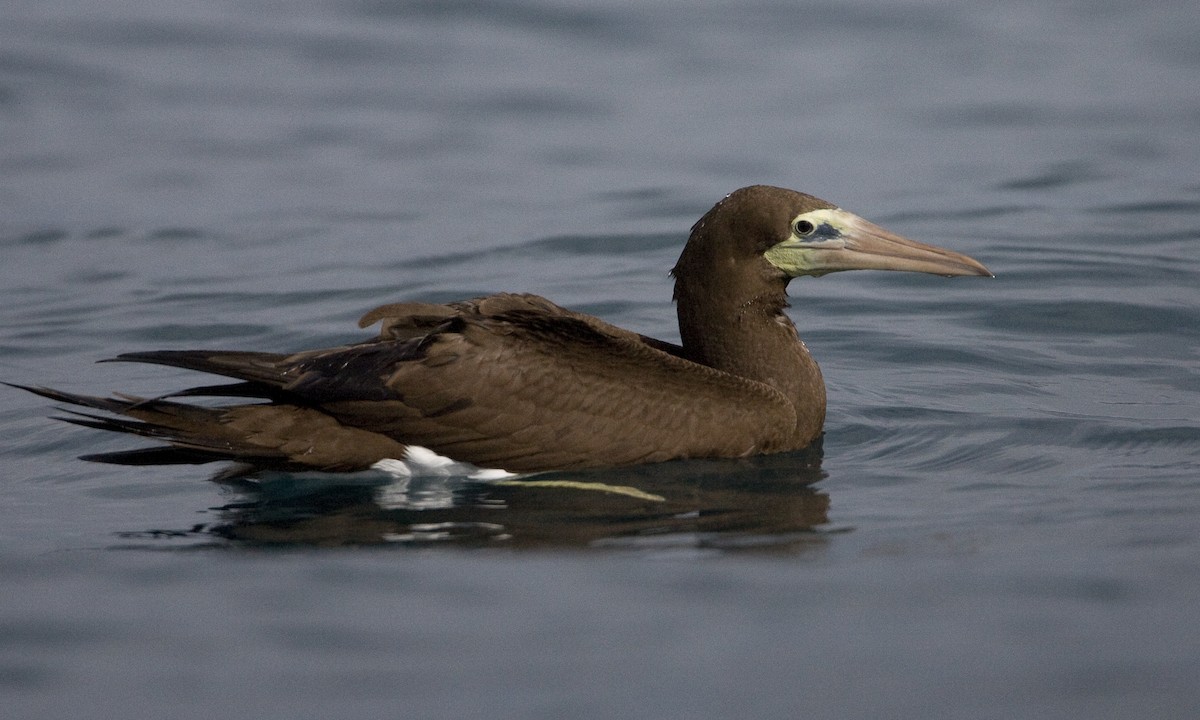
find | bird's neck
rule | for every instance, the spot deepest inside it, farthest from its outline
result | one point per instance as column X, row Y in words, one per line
column 751, row 336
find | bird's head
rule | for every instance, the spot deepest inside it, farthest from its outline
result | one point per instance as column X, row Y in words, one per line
column 777, row 233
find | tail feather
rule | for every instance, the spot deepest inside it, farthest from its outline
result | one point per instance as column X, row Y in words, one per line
column 161, row 455
column 120, row 424
column 290, row 429
column 112, row 405
column 256, row 367
column 194, row 432
column 99, row 422
column 245, row 389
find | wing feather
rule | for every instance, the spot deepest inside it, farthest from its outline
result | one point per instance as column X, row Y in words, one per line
column 506, row 381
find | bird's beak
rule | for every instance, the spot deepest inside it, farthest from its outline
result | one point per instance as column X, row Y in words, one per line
column 844, row 241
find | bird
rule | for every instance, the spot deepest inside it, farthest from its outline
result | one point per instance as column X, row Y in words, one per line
column 513, row 384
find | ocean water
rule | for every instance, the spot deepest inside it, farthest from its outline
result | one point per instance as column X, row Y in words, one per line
column 1003, row 519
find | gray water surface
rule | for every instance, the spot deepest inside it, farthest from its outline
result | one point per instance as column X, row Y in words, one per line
column 1003, row 520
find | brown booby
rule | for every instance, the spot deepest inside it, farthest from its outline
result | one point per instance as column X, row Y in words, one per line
column 517, row 383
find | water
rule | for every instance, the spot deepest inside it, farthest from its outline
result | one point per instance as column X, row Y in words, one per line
column 1004, row 520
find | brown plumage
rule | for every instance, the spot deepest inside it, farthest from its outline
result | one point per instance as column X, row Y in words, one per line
column 518, row 383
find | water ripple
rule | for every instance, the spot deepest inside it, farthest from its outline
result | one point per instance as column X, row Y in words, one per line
column 1091, row 318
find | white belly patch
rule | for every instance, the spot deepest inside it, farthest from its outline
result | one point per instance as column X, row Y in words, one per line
column 423, row 462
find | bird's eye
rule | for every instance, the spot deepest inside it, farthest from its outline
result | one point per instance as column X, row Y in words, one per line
column 803, row 228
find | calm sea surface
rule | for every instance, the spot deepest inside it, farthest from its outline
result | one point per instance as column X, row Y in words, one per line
column 1004, row 519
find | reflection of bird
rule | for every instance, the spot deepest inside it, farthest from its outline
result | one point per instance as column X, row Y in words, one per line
column 518, row 383
column 653, row 507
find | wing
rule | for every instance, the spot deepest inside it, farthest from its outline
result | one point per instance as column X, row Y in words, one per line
column 507, row 381
column 517, row 382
